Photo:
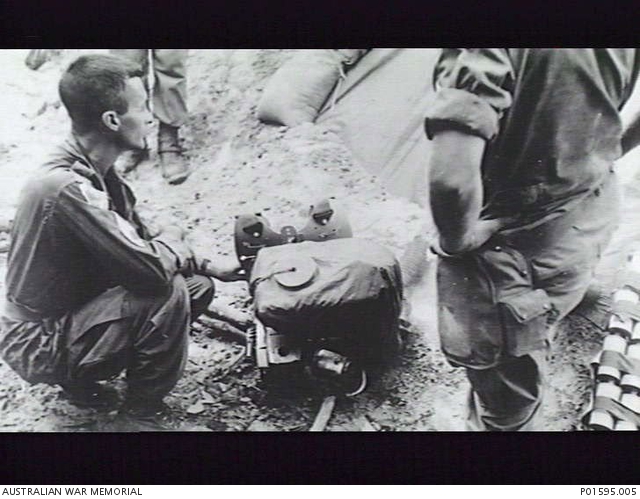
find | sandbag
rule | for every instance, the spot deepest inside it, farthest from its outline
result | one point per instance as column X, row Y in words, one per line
column 345, row 292
column 297, row 91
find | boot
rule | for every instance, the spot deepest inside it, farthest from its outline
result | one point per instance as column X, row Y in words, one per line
column 174, row 167
column 142, row 416
column 90, row 395
column 137, row 416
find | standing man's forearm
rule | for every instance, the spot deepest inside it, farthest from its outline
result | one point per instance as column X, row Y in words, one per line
column 455, row 187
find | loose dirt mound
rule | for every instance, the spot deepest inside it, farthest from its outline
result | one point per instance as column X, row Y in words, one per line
column 243, row 166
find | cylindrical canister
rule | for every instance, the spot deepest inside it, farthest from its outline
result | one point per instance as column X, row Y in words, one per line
column 630, row 383
column 635, row 335
column 631, row 401
column 625, row 294
column 622, row 325
column 607, row 374
column 608, row 390
column 601, row 420
column 251, row 342
column 624, row 426
column 615, row 343
column 330, row 363
column 633, row 351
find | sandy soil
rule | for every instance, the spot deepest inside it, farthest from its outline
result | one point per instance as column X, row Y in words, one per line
column 243, row 166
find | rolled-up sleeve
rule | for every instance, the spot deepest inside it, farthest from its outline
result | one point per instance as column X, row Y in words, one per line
column 473, row 89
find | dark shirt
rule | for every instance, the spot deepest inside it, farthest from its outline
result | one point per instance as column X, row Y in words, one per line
column 550, row 116
column 76, row 234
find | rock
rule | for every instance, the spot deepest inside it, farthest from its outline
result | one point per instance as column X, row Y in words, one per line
column 364, row 424
column 196, row 408
column 197, row 428
column 207, row 398
column 230, row 395
column 216, row 388
column 261, row 426
column 217, row 426
column 201, row 376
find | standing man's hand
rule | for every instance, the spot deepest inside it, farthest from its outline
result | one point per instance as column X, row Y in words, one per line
column 479, row 234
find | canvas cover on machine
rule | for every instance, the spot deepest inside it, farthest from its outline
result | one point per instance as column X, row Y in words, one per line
column 379, row 109
column 348, row 290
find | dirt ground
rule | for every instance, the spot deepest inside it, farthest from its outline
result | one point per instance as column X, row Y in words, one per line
column 243, row 166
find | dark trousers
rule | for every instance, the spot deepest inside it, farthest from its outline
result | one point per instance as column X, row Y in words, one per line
column 149, row 339
column 145, row 335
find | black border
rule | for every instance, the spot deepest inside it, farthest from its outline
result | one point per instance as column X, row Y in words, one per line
column 319, row 23
column 578, row 458
column 382, row 458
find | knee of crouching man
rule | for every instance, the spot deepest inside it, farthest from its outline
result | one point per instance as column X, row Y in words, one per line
column 178, row 291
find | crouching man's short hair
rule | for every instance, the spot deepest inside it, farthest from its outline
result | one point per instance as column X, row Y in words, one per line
column 93, row 84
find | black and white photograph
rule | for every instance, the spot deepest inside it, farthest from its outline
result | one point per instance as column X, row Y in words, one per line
column 319, row 240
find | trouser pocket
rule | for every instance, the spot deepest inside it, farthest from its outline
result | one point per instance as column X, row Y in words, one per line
column 524, row 311
column 468, row 319
column 524, row 321
column 489, row 308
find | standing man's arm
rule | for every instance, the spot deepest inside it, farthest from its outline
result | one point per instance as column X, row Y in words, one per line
column 455, row 188
column 472, row 92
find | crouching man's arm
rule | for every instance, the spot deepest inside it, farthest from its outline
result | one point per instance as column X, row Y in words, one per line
column 144, row 266
column 223, row 268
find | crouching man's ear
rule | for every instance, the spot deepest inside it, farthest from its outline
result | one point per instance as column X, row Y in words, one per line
column 111, row 120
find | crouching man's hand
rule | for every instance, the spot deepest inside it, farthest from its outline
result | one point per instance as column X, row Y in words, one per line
column 224, row 268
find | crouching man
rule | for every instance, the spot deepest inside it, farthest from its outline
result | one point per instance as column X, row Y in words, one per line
column 89, row 292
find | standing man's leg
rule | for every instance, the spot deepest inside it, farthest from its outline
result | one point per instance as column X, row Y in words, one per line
column 506, row 377
column 507, row 397
column 137, row 56
column 564, row 254
column 170, row 107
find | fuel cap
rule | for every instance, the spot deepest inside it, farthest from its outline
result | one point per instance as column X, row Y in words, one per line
column 296, row 272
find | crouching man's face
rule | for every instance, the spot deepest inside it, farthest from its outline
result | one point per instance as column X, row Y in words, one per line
column 135, row 124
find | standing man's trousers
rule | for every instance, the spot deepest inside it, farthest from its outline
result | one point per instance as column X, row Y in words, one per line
column 169, row 96
column 145, row 335
column 497, row 305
